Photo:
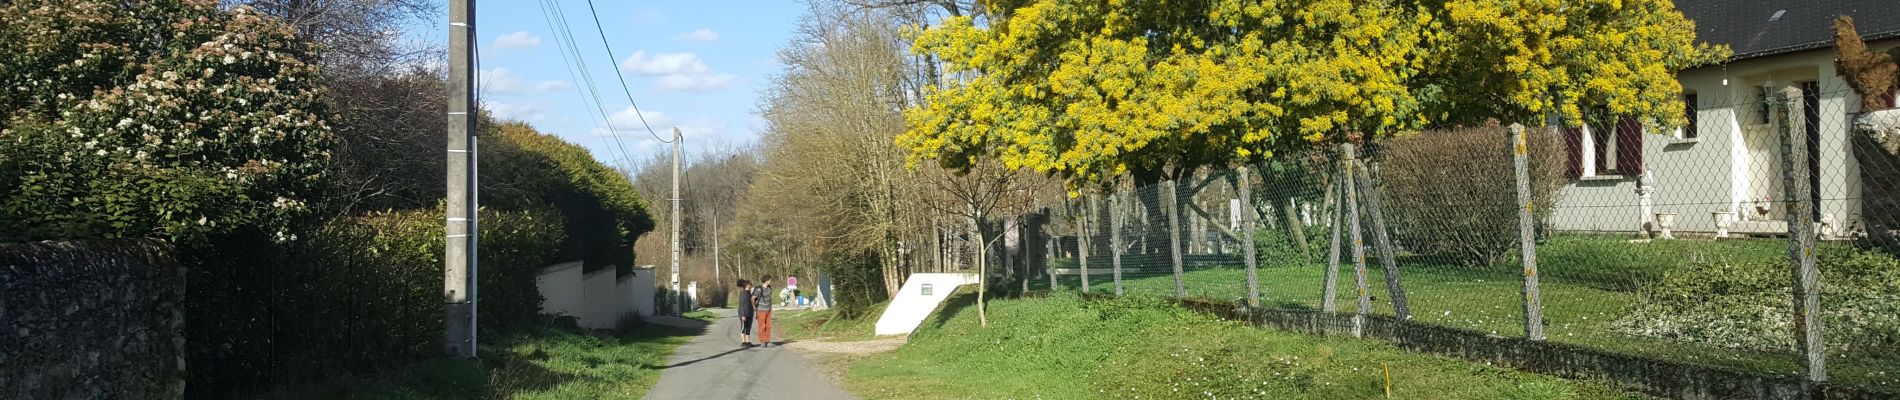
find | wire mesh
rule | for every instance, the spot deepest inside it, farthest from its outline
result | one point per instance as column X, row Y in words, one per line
column 1664, row 242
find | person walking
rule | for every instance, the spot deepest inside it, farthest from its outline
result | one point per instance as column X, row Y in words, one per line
column 745, row 313
column 762, row 308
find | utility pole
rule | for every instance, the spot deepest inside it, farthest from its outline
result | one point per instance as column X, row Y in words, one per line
column 716, row 281
column 679, row 307
column 458, row 334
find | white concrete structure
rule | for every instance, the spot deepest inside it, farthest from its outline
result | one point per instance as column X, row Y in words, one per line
column 596, row 300
column 560, row 287
column 919, row 297
column 1728, row 164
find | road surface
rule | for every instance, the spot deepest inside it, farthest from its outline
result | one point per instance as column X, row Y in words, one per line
column 713, row 366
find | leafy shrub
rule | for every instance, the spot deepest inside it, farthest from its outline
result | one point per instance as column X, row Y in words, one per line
column 172, row 119
column 366, row 292
column 1273, row 247
column 1454, row 192
column 859, row 280
column 1747, row 304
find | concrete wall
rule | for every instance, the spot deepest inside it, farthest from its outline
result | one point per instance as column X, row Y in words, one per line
column 1735, row 161
column 91, row 320
column 602, row 304
column 596, row 299
column 560, row 286
column 911, row 306
column 638, row 287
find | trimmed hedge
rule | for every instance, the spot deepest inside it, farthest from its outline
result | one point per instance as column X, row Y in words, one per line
column 360, row 294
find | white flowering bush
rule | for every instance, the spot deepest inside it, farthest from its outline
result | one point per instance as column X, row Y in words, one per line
column 1749, row 305
column 173, row 119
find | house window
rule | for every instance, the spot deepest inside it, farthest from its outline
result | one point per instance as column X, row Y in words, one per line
column 1605, row 149
column 1689, row 112
column 1762, row 103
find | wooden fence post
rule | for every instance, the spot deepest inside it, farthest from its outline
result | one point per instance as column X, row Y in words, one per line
column 1174, row 237
column 1358, row 241
column 1382, row 238
column 1807, row 277
column 1527, row 235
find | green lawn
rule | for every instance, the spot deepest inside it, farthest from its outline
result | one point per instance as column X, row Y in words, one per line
column 539, row 363
column 1587, row 284
column 1063, row 347
column 803, row 325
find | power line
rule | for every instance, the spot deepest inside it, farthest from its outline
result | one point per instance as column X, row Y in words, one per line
column 576, row 63
column 623, row 78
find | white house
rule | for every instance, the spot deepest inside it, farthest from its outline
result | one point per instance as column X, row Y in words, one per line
column 1727, row 163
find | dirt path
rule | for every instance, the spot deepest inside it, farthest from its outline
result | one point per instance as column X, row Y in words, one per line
column 714, row 366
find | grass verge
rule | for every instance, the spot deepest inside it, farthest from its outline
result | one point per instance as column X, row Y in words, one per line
column 1063, row 347
column 534, row 363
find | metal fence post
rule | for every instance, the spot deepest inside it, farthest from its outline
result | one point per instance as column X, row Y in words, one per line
column 1247, row 218
column 1527, row 234
column 1807, row 277
column 1358, row 242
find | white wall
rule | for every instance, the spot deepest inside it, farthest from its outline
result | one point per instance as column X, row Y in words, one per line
column 602, row 304
column 638, row 287
column 911, row 306
column 596, row 300
column 560, row 286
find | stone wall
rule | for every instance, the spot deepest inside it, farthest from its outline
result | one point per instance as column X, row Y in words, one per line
column 91, row 320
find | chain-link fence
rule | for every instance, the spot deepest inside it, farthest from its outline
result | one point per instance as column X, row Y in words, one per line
column 1667, row 243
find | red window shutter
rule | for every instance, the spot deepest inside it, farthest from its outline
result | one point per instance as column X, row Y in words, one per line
column 1573, row 151
column 1629, row 146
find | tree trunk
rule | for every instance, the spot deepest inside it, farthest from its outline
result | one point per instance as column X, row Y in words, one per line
column 1174, row 238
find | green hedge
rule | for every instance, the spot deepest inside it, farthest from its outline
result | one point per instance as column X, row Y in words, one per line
column 359, row 294
column 526, row 170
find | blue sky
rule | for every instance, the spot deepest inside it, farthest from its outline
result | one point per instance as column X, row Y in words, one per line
column 694, row 65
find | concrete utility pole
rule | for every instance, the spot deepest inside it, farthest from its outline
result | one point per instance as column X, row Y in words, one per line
column 679, row 306
column 458, row 335
column 715, row 234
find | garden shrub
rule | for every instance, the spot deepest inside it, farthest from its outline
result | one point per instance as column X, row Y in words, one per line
column 1273, row 247
column 1454, row 192
column 1748, row 305
column 858, row 278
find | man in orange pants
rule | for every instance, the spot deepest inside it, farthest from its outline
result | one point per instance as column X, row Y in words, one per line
column 762, row 309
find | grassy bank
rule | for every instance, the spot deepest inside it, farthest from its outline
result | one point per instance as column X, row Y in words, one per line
column 1588, row 283
column 538, row 363
column 1063, row 347
column 827, row 324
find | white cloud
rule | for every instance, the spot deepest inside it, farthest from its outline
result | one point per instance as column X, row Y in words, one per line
column 703, row 35
column 530, row 111
column 676, row 71
column 518, row 40
column 502, row 81
column 629, row 126
column 552, row 86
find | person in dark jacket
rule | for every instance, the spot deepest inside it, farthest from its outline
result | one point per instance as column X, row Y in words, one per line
column 762, row 307
column 745, row 313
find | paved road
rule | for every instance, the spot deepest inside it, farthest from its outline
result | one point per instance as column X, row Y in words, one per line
column 713, row 366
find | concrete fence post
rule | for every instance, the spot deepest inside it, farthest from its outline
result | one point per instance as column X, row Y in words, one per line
column 1358, row 241
column 1336, row 217
column 1115, row 238
column 1247, row 225
column 1527, row 234
column 1083, row 228
column 1382, row 239
column 1174, row 236
column 1801, row 236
